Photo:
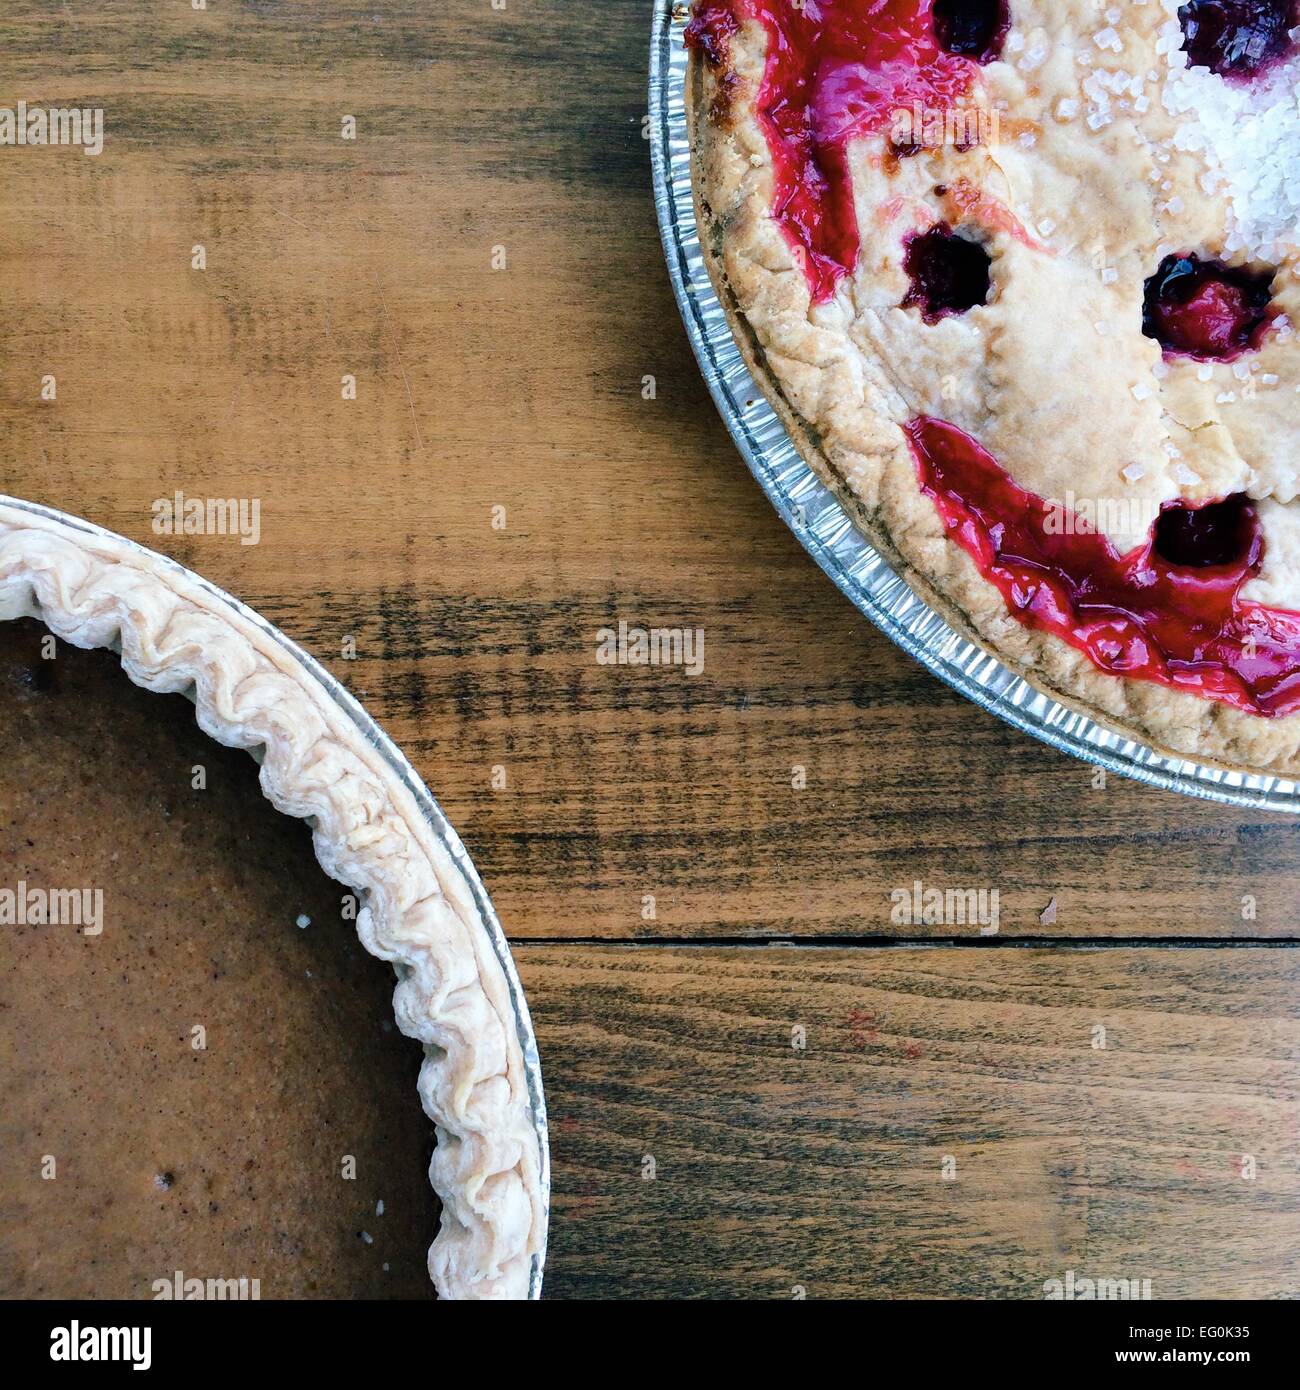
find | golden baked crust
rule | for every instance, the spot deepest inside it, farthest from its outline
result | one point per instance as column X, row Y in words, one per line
column 370, row 832
column 1053, row 374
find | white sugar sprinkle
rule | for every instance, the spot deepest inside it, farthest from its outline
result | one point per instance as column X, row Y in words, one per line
column 1249, row 135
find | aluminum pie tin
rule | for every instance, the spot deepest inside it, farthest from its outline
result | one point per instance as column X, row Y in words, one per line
column 825, row 528
column 433, row 815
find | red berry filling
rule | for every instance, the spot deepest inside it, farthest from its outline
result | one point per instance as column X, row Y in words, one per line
column 1237, row 38
column 1205, row 309
column 1169, row 611
column 710, row 31
column 835, row 70
column 949, row 274
column 974, row 29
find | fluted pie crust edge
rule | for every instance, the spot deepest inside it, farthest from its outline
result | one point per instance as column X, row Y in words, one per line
column 175, row 634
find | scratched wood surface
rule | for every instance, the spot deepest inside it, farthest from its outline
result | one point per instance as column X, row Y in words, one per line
column 482, row 260
column 703, row 1149
column 514, row 137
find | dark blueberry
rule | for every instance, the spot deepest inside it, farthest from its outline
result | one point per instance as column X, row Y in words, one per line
column 1236, row 38
column 1206, row 309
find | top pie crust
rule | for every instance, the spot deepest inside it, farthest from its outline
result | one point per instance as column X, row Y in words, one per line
column 176, row 634
column 1052, row 375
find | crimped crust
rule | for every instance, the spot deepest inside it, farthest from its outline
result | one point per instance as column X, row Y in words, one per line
column 845, row 376
column 175, row 634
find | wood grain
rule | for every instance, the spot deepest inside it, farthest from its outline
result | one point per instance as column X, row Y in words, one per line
column 776, row 1168
column 522, row 388
column 560, row 387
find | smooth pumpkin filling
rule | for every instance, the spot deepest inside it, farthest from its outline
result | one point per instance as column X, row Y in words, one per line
column 203, row 1079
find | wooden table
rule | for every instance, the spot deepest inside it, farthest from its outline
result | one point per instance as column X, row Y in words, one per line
column 531, row 457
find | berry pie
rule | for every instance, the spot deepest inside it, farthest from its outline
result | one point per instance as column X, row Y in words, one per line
column 1021, row 278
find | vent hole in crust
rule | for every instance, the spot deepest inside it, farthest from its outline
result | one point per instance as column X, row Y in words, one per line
column 1205, row 309
column 949, row 273
column 974, row 29
column 1203, row 537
